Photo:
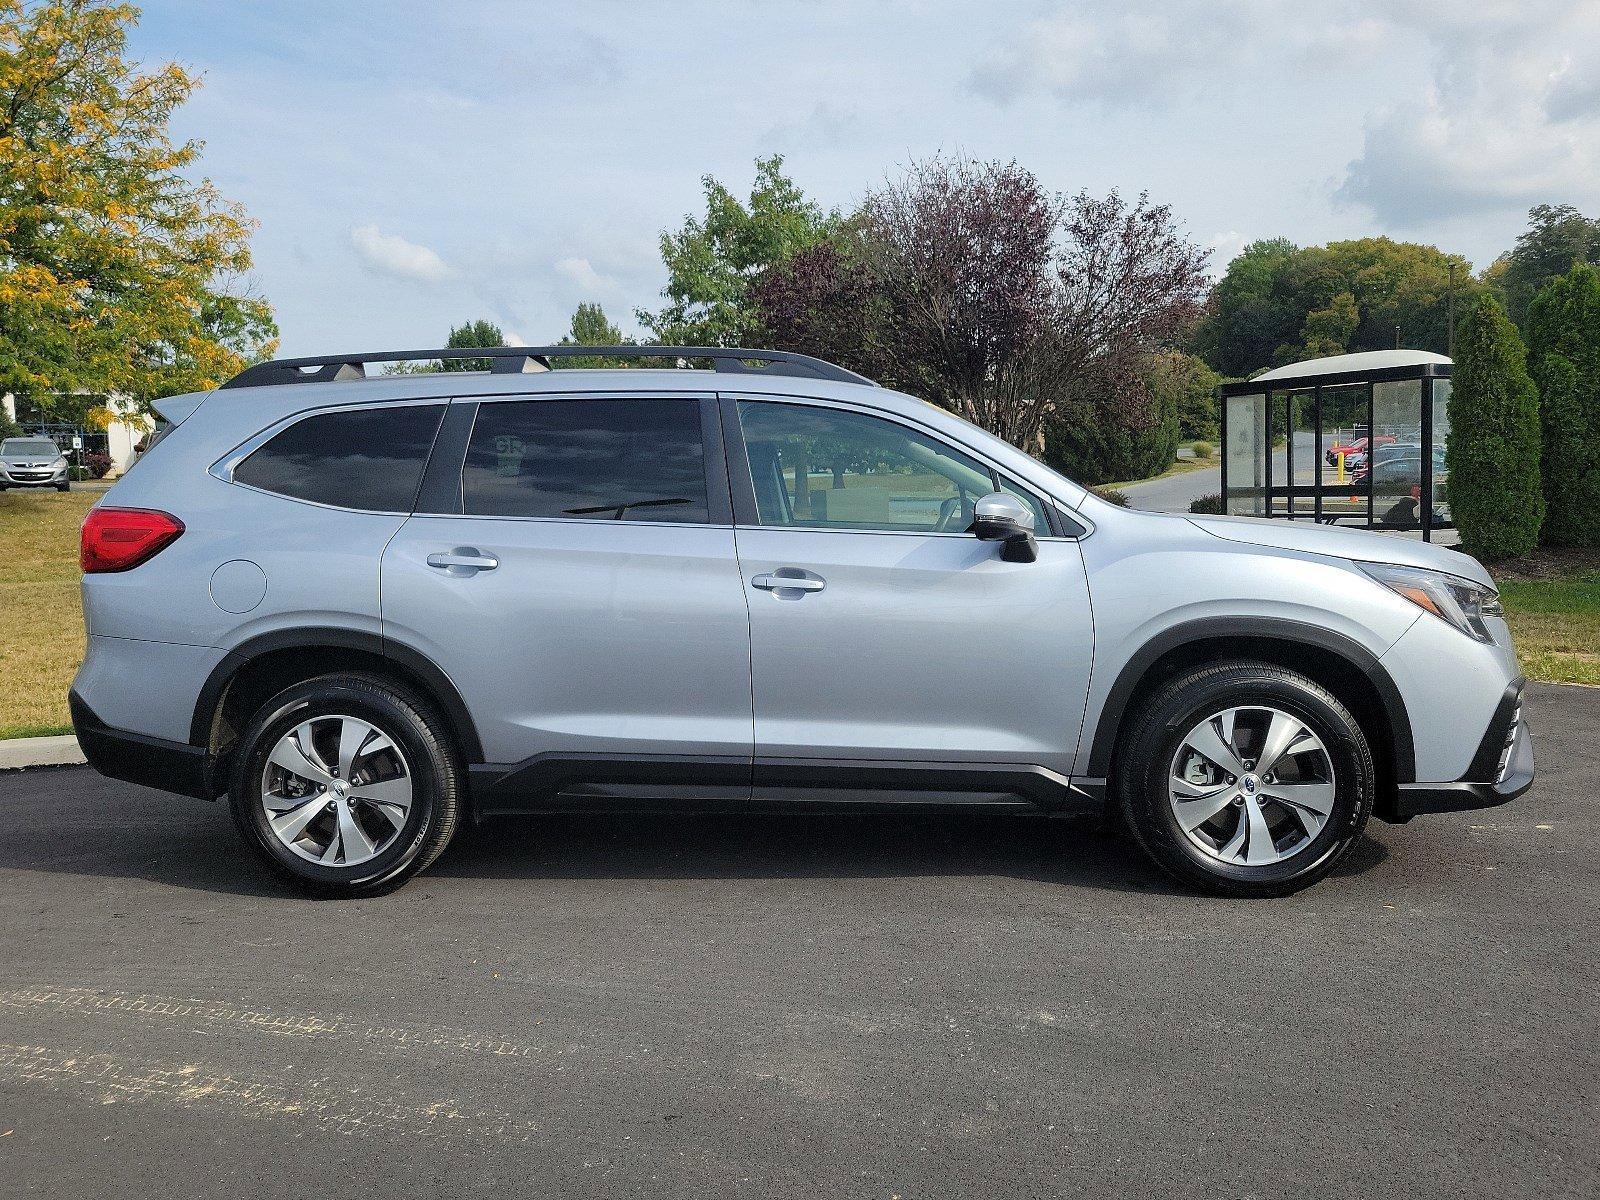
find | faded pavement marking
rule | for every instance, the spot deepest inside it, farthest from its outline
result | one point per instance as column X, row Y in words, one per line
column 158, row 1008
column 321, row 1102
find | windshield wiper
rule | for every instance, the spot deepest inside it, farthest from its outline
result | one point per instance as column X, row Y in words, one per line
column 620, row 509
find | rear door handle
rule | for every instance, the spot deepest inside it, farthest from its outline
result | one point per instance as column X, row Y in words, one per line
column 463, row 561
column 794, row 581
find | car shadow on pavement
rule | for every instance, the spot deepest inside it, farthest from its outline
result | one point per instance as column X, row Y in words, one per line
column 1070, row 851
column 119, row 830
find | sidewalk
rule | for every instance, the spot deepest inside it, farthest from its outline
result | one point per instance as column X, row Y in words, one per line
column 58, row 751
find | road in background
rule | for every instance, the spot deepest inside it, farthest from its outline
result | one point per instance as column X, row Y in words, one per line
column 805, row 1006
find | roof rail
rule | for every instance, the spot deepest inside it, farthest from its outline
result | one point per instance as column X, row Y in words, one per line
column 520, row 360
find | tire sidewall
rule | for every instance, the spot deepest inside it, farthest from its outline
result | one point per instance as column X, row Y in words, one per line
column 326, row 698
column 1350, row 758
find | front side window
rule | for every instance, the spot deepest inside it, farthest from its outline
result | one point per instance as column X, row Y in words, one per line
column 827, row 468
column 599, row 460
column 365, row 458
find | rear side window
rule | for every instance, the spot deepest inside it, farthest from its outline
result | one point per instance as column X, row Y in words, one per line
column 368, row 458
column 619, row 460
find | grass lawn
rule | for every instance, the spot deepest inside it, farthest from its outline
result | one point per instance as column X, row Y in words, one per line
column 1552, row 600
column 1181, row 466
column 41, row 612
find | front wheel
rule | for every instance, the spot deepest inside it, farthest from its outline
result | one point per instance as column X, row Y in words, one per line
column 347, row 785
column 1246, row 779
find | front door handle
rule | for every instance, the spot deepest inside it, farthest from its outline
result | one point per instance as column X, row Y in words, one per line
column 789, row 579
column 463, row 561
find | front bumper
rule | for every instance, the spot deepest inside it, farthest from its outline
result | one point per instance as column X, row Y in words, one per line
column 31, row 479
column 1501, row 770
column 137, row 758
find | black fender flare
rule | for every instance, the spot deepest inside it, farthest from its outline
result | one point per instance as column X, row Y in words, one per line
column 440, row 687
column 1278, row 629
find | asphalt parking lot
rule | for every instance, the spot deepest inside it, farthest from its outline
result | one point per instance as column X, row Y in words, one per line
column 876, row 1007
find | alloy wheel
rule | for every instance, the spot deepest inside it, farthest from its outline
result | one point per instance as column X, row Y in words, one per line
column 336, row 790
column 1251, row 786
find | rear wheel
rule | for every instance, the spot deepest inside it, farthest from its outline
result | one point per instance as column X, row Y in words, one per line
column 1246, row 779
column 347, row 785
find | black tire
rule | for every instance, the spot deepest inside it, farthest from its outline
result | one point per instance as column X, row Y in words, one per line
column 437, row 777
column 63, row 487
column 1145, row 757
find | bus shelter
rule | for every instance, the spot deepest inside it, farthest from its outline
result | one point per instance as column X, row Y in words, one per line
column 1353, row 439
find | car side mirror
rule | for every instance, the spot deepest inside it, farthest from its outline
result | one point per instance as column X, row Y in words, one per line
column 1001, row 518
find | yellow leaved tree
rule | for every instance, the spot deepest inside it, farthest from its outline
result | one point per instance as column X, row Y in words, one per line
column 120, row 272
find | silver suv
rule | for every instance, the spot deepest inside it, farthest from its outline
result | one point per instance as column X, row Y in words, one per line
column 367, row 609
column 33, row 462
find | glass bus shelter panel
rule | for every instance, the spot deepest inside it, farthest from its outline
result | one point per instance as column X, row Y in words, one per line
column 1441, row 440
column 1279, row 503
column 1393, row 461
column 1300, row 467
column 1246, row 450
column 1346, row 420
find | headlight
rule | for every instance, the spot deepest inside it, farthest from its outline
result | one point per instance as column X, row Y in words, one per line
column 1459, row 602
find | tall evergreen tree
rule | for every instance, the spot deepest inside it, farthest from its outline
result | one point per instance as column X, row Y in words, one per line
column 1564, row 360
column 1493, row 456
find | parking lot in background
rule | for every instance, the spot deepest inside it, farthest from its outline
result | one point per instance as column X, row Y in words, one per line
column 806, row 1006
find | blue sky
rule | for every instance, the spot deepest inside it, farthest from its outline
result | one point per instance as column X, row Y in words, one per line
column 413, row 165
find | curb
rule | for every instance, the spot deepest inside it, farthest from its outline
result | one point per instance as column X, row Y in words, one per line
column 59, row 751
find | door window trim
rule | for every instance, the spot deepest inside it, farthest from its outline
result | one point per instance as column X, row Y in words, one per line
column 745, row 512
column 441, row 494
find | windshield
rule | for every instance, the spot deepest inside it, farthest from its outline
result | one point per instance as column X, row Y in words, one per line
column 29, row 446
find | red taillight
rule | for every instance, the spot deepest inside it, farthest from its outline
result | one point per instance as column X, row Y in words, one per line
column 119, row 539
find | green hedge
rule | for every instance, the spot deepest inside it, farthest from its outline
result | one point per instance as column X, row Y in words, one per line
column 1105, row 446
column 1493, row 455
column 1564, row 360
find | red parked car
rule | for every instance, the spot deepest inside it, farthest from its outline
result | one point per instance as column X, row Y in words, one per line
column 1354, row 448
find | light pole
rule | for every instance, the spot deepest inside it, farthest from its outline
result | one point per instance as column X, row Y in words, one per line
column 1450, row 334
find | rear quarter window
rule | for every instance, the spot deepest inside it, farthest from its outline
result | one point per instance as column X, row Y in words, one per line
column 369, row 458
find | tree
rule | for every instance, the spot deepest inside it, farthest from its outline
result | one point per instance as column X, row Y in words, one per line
column 1009, row 304
column 1251, row 311
column 711, row 261
column 1279, row 303
column 473, row 335
column 1493, row 454
column 1558, row 237
column 1133, row 440
column 118, row 270
column 1328, row 331
column 821, row 301
column 1192, row 389
column 1564, row 360
column 591, row 327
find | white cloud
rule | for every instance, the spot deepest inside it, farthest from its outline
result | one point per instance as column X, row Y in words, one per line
column 1224, row 248
column 1508, row 118
column 1473, row 107
column 585, row 279
column 1108, row 52
column 825, row 127
column 390, row 254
